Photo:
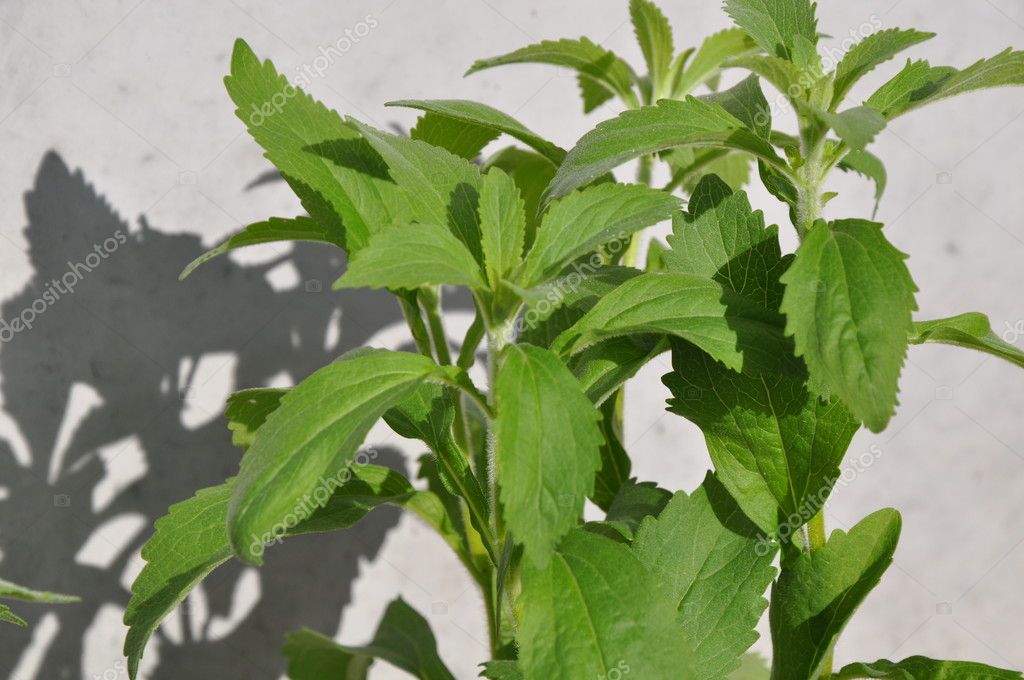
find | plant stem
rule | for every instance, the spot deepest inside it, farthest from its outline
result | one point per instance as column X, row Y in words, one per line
column 431, row 302
column 411, row 312
column 816, row 538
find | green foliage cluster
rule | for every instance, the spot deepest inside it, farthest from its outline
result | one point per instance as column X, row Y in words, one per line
column 779, row 358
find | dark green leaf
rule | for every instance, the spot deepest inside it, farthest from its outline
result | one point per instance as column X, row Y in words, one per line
column 247, row 410
column 460, row 137
column 746, row 101
column 547, row 443
column 715, row 569
column 857, row 126
column 921, row 668
column 818, row 592
column 593, row 609
column 312, row 656
column 605, row 367
column 615, row 463
column 633, row 502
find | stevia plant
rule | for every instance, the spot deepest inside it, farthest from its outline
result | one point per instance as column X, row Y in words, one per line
column 778, row 358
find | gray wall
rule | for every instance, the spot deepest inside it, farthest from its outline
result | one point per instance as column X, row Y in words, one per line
column 113, row 117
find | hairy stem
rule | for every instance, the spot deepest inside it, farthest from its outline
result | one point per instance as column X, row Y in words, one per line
column 420, row 336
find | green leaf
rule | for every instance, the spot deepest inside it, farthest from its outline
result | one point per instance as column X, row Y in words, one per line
column 247, row 410
column 848, row 303
column 462, row 138
column 12, row 591
column 870, row 52
column 605, row 367
column 501, row 670
column 615, row 463
column 593, row 609
column 403, row 639
column 714, row 568
column 581, row 222
column 784, row 75
column 728, row 327
column 532, row 173
column 818, row 592
column 558, row 304
column 7, row 615
column 270, row 231
column 654, row 33
column 343, row 183
column 651, row 129
column 972, row 331
column 547, row 443
column 441, row 188
column 412, row 256
column 752, row 667
column 311, row 439
column 719, row 237
column 921, row 668
column 472, row 113
column 191, row 541
column 633, row 502
column 503, row 225
column 775, row 24
column 858, row 126
column 776, row 447
column 312, row 656
column 708, row 60
column 746, row 101
column 688, row 167
column 592, row 93
column 600, row 66
column 919, row 83
column 870, row 166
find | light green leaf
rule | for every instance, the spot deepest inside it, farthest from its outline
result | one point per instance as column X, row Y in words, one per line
column 776, row 447
column 858, row 126
column 310, row 440
column 412, row 256
column 592, row 93
column 403, row 639
column 12, row 591
column 651, row 129
column 462, row 138
column 972, row 331
column 919, row 83
column 441, row 188
column 870, row 52
column 654, row 33
column 752, row 667
column 581, row 222
column 775, row 24
column 818, row 592
column 247, row 410
column 591, row 61
column 848, row 302
column 870, row 166
column 191, row 540
column 714, row 568
column 7, row 615
column 727, row 326
column 922, row 668
column 709, row 59
column 481, row 115
column 343, row 183
column 784, row 75
column 547, row 443
column 270, row 231
column 595, row 608
column 503, row 225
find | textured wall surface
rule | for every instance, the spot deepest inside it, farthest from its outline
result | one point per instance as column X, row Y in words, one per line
column 114, row 125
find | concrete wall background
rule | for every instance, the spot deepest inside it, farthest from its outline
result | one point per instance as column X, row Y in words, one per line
column 113, row 117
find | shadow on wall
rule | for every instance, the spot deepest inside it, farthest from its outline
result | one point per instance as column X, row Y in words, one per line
column 133, row 335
